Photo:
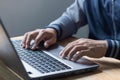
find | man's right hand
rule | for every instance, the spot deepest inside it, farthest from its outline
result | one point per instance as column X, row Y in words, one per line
column 48, row 35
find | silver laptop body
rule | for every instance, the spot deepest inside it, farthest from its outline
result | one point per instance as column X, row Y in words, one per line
column 10, row 56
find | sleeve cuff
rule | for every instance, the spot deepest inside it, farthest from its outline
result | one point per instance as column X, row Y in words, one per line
column 109, row 48
column 113, row 49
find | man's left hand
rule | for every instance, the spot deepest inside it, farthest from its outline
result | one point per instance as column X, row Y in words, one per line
column 84, row 47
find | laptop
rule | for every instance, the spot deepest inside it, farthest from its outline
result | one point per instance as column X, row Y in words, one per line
column 40, row 64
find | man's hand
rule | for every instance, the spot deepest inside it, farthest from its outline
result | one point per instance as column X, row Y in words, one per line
column 48, row 35
column 84, row 47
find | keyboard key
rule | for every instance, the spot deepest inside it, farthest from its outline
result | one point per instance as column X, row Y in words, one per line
column 39, row 60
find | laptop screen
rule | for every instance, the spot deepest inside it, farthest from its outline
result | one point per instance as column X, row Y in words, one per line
column 8, row 54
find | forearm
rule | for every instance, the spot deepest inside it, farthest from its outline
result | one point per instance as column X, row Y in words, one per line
column 70, row 21
column 64, row 27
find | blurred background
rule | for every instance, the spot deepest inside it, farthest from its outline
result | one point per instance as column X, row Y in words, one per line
column 20, row 16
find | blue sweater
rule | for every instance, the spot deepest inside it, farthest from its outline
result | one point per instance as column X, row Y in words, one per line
column 103, row 18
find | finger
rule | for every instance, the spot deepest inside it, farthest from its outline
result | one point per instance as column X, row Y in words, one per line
column 38, row 39
column 23, row 44
column 80, row 54
column 75, row 49
column 28, row 40
column 66, row 50
column 49, row 42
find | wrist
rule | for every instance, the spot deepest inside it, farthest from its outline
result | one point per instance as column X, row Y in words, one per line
column 53, row 31
column 57, row 29
column 104, row 45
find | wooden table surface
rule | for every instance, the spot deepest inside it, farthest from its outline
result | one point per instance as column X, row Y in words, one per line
column 109, row 69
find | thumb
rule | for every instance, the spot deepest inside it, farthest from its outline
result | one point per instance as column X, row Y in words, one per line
column 48, row 43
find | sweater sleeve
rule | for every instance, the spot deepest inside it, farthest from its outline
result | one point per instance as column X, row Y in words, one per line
column 113, row 49
column 70, row 21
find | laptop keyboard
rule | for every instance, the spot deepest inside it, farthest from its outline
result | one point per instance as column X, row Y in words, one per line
column 39, row 60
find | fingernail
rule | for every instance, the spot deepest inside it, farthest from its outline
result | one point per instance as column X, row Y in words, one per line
column 62, row 56
column 33, row 48
column 46, row 45
column 60, row 53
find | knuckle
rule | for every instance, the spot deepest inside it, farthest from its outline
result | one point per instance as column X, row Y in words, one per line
column 37, row 30
column 40, row 30
column 43, row 30
column 76, row 48
column 26, row 33
column 68, row 44
column 82, row 38
column 71, row 44
column 85, row 44
column 30, row 35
